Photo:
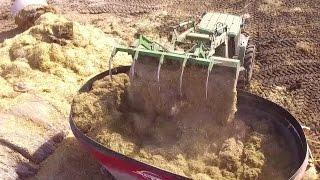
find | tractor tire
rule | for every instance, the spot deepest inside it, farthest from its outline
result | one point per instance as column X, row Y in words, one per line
column 249, row 59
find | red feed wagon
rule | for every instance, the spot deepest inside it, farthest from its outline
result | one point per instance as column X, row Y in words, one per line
column 123, row 167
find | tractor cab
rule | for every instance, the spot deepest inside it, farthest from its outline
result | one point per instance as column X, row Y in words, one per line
column 217, row 22
column 220, row 33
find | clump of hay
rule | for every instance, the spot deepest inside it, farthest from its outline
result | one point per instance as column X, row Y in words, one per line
column 305, row 47
column 270, row 6
column 27, row 16
column 55, row 56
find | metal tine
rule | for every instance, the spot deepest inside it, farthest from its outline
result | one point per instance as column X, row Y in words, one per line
column 135, row 57
column 159, row 67
column 208, row 74
column 114, row 51
column 182, row 70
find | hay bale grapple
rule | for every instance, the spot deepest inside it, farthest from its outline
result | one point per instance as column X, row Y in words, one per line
column 215, row 40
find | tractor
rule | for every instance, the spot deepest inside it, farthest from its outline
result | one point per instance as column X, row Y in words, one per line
column 214, row 40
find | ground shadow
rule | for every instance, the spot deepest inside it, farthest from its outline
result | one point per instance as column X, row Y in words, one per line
column 9, row 34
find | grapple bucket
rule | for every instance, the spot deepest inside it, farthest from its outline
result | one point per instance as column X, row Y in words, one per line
column 161, row 76
column 153, row 51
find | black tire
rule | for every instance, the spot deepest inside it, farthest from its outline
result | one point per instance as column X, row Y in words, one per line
column 249, row 59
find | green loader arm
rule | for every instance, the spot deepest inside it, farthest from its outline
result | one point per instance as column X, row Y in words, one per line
column 148, row 48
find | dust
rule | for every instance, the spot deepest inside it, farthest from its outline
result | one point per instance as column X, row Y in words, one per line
column 180, row 133
column 164, row 97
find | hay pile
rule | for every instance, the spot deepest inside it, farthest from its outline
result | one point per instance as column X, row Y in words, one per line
column 52, row 58
column 40, row 71
column 188, row 141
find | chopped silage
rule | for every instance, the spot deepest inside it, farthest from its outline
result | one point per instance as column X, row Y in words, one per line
column 53, row 57
column 41, row 70
column 196, row 146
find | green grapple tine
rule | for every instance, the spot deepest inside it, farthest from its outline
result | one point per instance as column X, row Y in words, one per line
column 182, row 70
column 208, row 74
column 159, row 67
column 211, row 66
column 114, row 51
column 136, row 55
column 176, row 56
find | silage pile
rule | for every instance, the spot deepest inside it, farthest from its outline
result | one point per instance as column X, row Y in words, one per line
column 181, row 134
column 40, row 71
column 51, row 59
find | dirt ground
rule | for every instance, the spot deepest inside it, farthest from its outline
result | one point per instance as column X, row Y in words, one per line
column 286, row 33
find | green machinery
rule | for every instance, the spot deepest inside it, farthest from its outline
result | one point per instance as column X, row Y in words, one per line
column 215, row 40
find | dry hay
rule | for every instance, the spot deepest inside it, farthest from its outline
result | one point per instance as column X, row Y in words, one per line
column 43, row 68
column 52, row 58
column 184, row 141
column 305, row 47
column 311, row 173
